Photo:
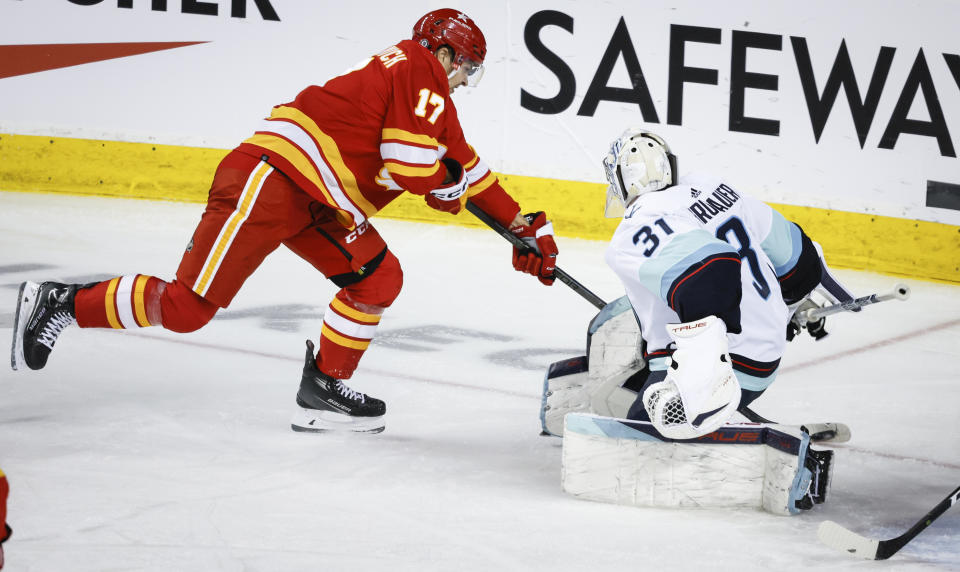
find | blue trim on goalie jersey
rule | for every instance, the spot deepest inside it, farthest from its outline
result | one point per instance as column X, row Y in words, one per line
column 659, row 362
column 783, row 244
column 754, row 375
column 687, row 249
column 752, row 382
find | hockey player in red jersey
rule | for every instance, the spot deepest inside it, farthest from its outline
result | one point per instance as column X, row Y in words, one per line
column 310, row 178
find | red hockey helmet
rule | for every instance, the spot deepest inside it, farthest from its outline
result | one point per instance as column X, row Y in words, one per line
column 447, row 26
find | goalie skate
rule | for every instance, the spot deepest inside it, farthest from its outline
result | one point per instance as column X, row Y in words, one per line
column 327, row 404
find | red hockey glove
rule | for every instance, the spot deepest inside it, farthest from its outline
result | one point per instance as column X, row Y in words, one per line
column 447, row 197
column 540, row 257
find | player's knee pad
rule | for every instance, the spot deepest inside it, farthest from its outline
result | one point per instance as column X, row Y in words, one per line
column 183, row 310
column 700, row 391
column 379, row 288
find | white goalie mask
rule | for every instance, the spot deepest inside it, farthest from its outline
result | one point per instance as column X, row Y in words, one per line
column 638, row 162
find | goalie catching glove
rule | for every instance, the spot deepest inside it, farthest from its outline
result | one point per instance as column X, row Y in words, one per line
column 539, row 258
column 448, row 197
column 700, row 392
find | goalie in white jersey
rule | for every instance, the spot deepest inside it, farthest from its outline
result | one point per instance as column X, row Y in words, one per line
column 711, row 272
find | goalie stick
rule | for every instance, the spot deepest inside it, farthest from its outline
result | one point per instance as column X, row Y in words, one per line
column 836, row 536
column 819, row 432
column 517, row 242
column 900, row 292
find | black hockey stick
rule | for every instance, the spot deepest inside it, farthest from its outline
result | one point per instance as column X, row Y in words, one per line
column 836, row 536
column 819, row 432
column 517, row 242
column 900, row 292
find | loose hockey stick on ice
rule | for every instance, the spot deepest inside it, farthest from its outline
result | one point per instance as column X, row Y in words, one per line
column 514, row 240
column 900, row 292
column 836, row 536
column 819, row 432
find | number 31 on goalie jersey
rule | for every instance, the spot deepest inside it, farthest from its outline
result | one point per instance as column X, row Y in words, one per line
column 431, row 98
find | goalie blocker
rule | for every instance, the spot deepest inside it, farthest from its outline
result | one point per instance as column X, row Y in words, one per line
column 746, row 465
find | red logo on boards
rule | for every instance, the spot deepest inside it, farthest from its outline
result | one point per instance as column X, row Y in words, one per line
column 33, row 58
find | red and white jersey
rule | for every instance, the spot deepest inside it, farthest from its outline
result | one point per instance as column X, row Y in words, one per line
column 363, row 138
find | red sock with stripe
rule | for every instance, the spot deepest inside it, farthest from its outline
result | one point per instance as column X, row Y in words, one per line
column 123, row 302
column 348, row 328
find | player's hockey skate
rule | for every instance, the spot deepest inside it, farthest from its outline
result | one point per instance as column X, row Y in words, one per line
column 43, row 311
column 327, row 404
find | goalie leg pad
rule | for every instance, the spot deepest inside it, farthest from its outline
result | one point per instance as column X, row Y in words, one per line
column 563, row 392
column 594, row 383
column 739, row 466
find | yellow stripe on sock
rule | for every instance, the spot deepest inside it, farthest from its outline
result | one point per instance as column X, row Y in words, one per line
column 353, row 314
column 139, row 309
column 342, row 341
column 108, row 301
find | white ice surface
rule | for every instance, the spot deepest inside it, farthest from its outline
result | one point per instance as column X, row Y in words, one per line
column 150, row 450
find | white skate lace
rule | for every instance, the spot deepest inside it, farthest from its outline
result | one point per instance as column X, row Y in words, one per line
column 52, row 329
column 349, row 393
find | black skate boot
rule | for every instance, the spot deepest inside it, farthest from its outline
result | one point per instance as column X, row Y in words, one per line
column 327, row 404
column 43, row 311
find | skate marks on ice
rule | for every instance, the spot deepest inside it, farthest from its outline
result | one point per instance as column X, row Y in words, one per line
column 25, row 267
column 277, row 317
column 893, row 456
column 420, row 378
column 426, row 338
column 871, row 347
